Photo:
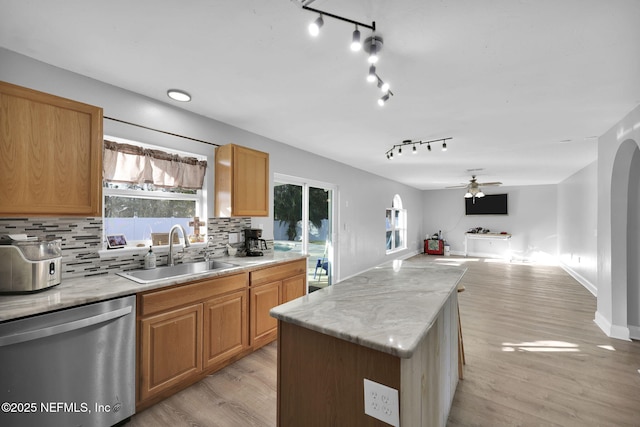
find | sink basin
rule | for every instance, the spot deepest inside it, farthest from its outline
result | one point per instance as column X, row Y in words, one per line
column 179, row 270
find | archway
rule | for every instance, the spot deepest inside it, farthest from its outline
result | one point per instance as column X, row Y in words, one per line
column 625, row 238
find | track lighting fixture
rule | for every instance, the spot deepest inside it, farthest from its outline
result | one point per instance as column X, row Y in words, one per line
column 444, row 146
column 371, row 45
column 414, row 150
column 314, row 27
column 355, row 40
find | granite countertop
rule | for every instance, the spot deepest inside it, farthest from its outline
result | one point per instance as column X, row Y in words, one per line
column 78, row 291
column 389, row 308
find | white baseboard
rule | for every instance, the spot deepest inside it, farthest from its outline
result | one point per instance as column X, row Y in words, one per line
column 634, row 332
column 580, row 279
column 612, row 331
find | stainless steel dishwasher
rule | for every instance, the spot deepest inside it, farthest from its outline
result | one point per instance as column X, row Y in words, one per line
column 73, row 367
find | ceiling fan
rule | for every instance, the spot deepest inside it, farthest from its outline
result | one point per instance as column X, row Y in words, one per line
column 473, row 188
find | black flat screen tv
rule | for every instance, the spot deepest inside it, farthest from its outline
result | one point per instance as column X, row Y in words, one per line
column 490, row 204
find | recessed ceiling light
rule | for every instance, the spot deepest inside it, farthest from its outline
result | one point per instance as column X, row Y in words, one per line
column 178, row 95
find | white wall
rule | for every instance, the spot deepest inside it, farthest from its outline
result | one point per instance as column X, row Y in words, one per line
column 532, row 221
column 616, row 150
column 363, row 197
column 577, row 226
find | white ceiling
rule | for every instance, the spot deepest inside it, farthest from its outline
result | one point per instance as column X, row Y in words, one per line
column 522, row 86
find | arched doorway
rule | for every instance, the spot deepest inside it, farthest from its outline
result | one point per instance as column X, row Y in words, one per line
column 625, row 238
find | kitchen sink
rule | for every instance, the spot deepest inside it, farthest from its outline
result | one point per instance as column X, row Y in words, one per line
column 173, row 271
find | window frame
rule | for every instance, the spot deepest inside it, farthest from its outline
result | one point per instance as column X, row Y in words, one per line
column 199, row 197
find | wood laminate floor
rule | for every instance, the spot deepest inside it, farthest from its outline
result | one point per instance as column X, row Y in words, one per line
column 534, row 358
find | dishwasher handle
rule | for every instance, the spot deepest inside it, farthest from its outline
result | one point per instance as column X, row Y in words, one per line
column 63, row 327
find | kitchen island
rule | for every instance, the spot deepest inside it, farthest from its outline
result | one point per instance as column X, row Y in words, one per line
column 395, row 325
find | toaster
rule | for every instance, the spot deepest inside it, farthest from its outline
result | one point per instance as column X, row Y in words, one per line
column 29, row 264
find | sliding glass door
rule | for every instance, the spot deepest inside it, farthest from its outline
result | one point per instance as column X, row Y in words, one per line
column 303, row 222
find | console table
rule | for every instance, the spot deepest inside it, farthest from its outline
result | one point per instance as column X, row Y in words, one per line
column 487, row 236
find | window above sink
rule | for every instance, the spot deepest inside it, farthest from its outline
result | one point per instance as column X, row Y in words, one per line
column 146, row 192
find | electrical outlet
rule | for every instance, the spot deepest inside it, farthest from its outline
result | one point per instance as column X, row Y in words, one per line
column 381, row 402
column 234, row 237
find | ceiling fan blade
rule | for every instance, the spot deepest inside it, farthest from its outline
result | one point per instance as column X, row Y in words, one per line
column 458, row 186
column 489, row 183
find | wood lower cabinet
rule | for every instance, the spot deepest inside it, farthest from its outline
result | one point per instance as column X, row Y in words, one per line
column 187, row 331
column 264, row 328
column 170, row 349
column 269, row 287
column 294, row 287
column 50, row 155
column 225, row 327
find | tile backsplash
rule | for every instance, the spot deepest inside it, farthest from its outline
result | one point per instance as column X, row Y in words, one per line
column 82, row 241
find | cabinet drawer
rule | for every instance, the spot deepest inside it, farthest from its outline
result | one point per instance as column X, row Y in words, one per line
column 156, row 301
column 278, row 272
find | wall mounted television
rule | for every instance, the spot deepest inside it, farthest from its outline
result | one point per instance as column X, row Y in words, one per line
column 490, row 204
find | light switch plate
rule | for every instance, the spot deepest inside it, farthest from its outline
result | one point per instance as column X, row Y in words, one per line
column 234, row 237
column 381, row 402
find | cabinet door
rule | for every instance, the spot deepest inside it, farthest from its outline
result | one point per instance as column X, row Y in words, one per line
column 241, row 182
column 225, row 327
column 170, row 349
column 50, row 154
column 251, row 182
column 294, row 287
column 264, row 328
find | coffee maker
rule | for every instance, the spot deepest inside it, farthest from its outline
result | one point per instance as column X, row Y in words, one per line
column 253, row 242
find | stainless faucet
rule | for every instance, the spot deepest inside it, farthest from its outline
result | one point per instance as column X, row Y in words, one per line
column 186, row 242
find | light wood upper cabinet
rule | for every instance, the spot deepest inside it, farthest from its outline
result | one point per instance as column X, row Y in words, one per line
column 241, row 182
column 50, row 155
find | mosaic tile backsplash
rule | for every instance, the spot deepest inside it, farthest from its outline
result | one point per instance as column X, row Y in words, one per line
column 82, row 241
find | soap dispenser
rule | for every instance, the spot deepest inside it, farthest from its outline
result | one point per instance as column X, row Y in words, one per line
column 150, row 260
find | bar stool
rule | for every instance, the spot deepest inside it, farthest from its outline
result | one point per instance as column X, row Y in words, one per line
column 461, row 359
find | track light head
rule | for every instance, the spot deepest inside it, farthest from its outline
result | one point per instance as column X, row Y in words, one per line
column 414, row 151
column 382, row 100
column 444, row 147
column 314, row 27
column 372, row 76
column 428, row 147
column 373, row 45
column 356, row 45
column 399, row 151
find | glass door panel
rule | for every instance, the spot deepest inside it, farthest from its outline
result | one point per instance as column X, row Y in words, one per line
column 303, row 223
column 287, row 217
column 319, row 237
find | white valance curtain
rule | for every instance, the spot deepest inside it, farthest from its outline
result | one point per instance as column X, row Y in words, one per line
column 136, row 165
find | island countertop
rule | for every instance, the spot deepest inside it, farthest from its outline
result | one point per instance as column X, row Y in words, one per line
column 389, row 308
